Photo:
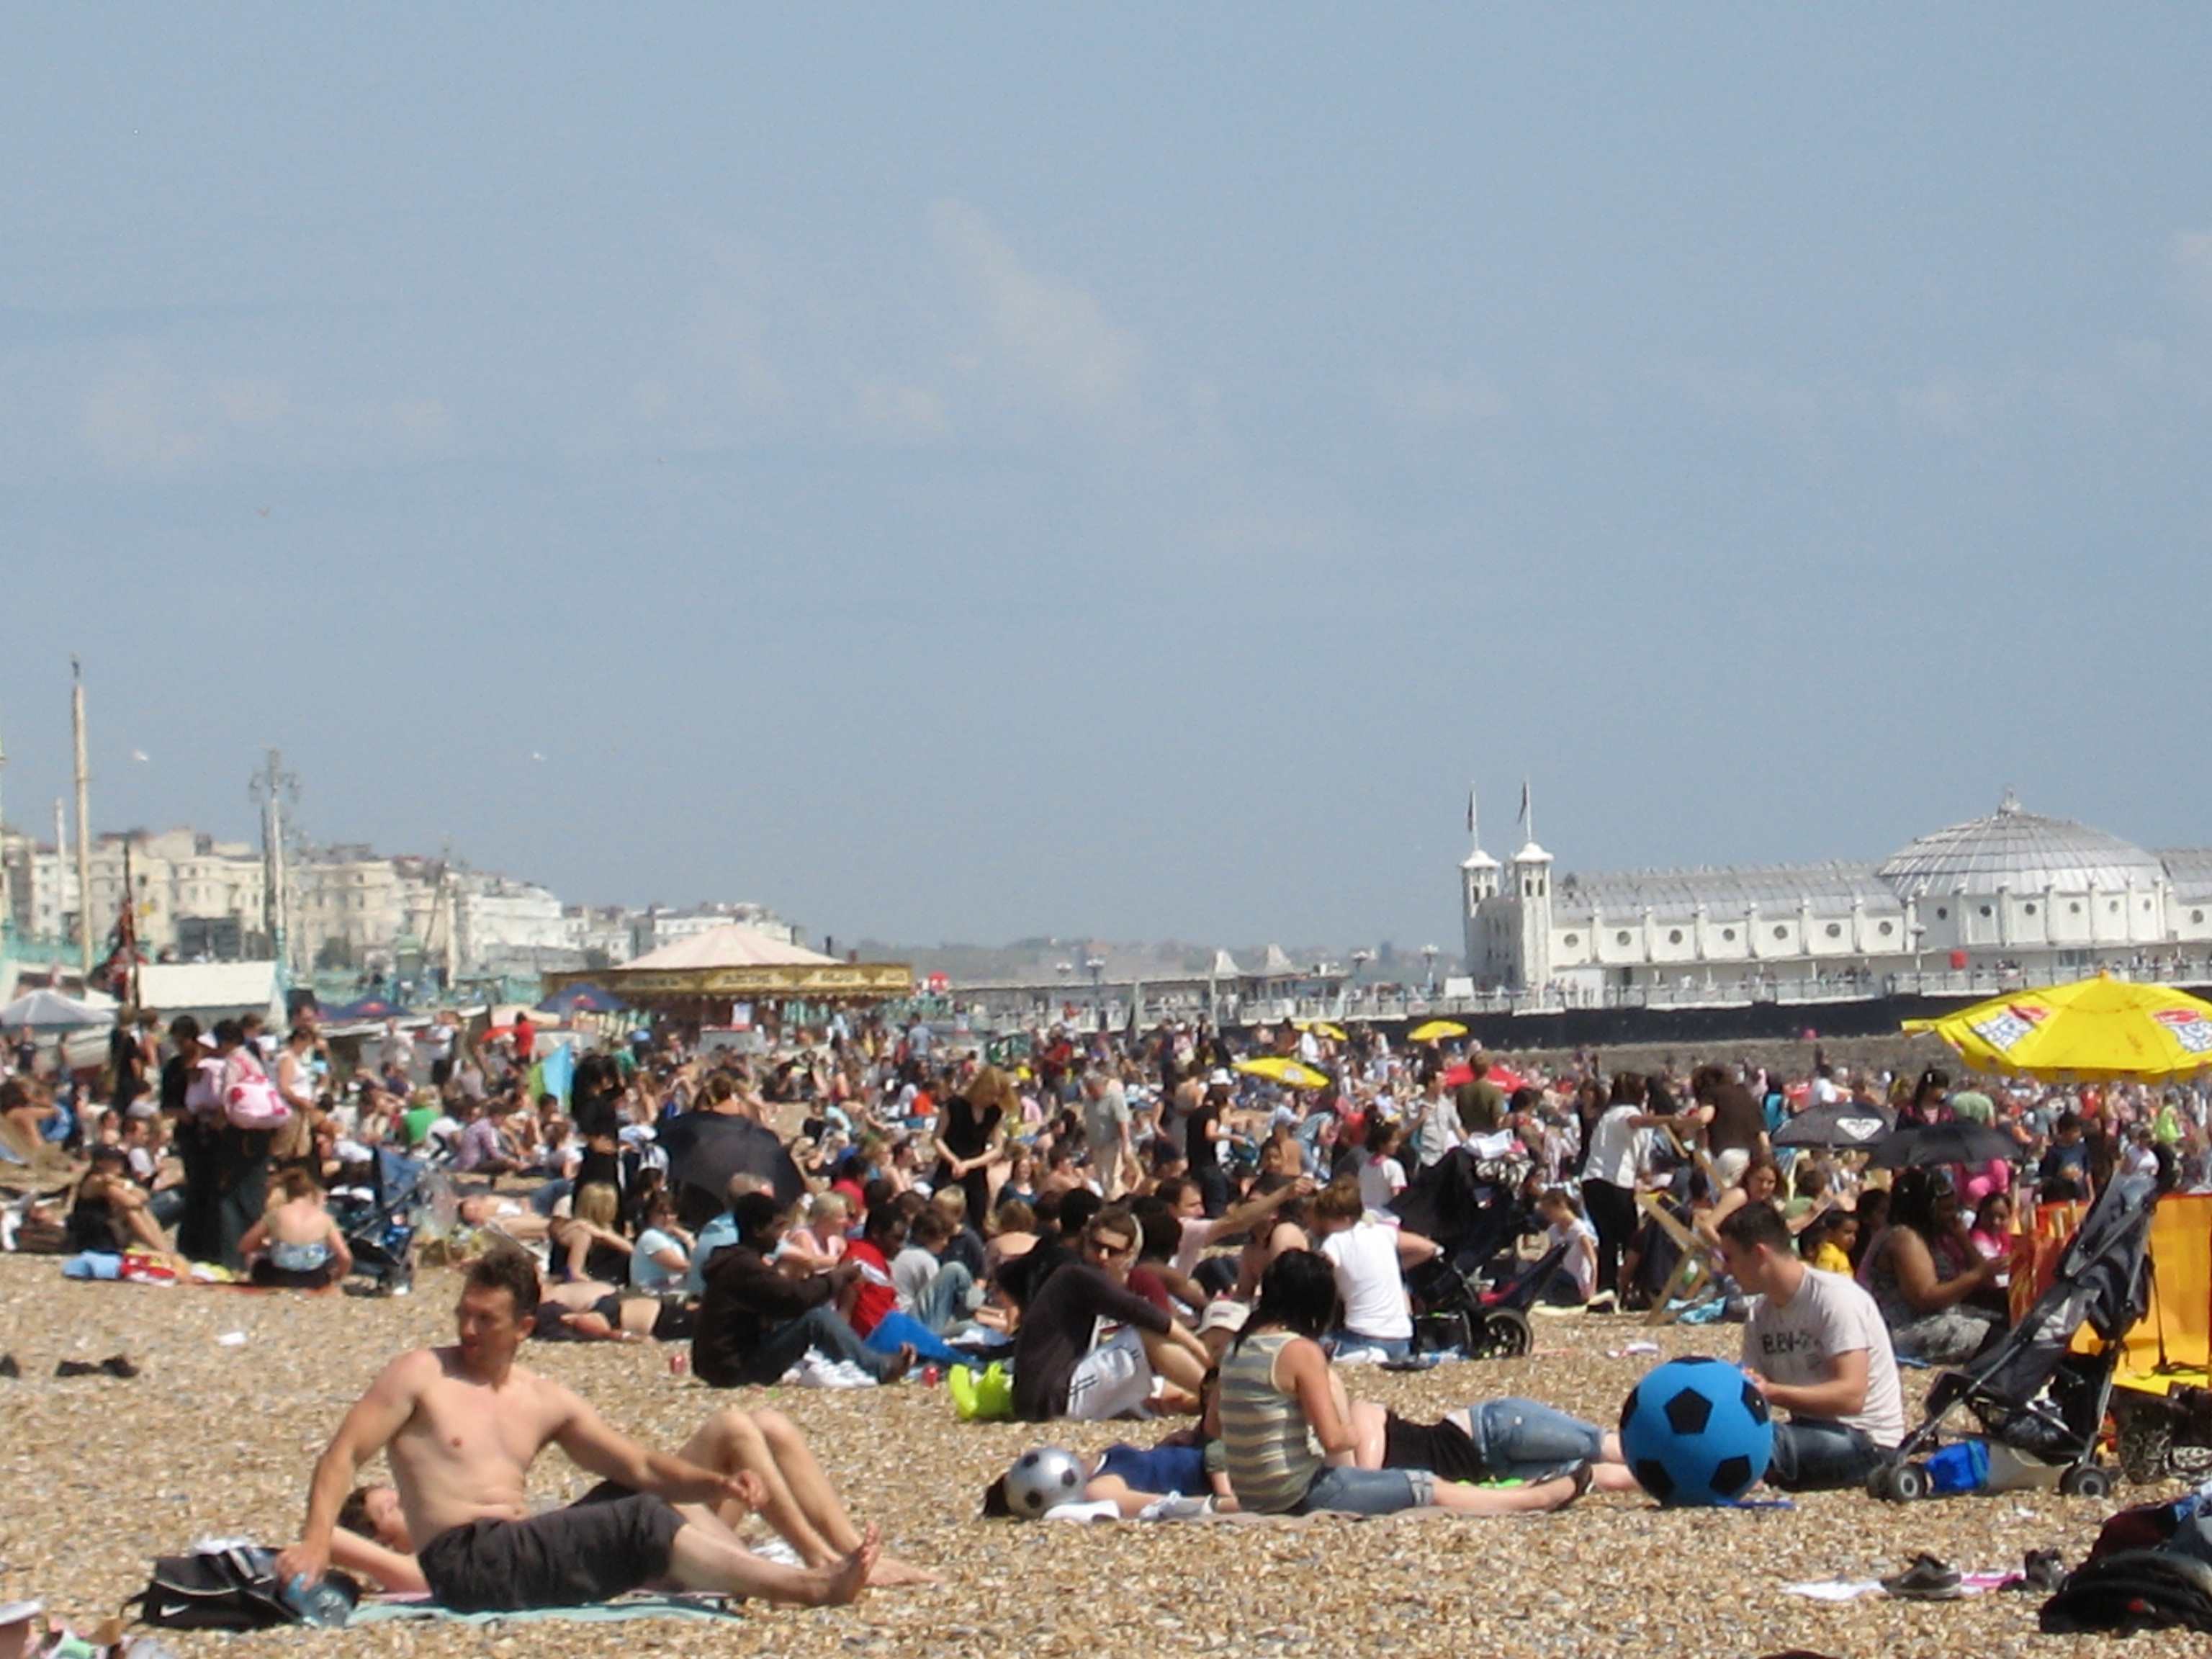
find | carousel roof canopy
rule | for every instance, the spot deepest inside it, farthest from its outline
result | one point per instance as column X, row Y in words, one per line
column 733, row 946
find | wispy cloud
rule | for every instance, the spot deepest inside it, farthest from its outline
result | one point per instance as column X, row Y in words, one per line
column 131, row 422
column 1439, row 400
column 1047, row 329
column 2192, row 255
column 901, row 410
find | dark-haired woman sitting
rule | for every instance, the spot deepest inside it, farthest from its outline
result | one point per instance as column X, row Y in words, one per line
column 1279, row 1395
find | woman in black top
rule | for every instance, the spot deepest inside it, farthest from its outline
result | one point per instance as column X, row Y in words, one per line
column 969, row 1133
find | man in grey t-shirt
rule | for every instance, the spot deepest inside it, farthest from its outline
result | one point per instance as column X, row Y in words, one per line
column 1816, row 1348
column 1106, row 1127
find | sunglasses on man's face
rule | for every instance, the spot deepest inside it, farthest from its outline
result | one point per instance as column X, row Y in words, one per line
column 1114, row 1252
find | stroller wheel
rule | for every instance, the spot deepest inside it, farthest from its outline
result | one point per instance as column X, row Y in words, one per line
column 1505, row 1334
column 2087, row 1480
column 1909, row 1483
column 1877, row 1484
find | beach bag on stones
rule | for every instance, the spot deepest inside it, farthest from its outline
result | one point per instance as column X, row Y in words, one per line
column 2133, row 1590
column 232, row 1588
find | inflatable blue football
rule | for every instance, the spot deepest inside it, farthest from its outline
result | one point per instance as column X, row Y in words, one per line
column 1695, row 1432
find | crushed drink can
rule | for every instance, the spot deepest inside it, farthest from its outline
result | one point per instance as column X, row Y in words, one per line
column 930, row 1374
column 679, row 1363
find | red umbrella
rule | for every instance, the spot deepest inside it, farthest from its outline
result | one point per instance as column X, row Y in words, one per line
column 1503, row 1076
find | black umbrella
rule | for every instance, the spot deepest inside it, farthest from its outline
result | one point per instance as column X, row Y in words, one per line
column 705, row 1149
column 1957, row 1142
column 1843, row 1124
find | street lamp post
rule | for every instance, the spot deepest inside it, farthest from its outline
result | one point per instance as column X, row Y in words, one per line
column 1360, row 958
column 1097, row 967
column 1429, row 955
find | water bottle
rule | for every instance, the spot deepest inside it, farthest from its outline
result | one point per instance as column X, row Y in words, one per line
column 324, row 1604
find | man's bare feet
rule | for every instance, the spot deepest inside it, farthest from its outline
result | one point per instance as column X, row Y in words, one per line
column 902, row 1362
column 891, row 1573
column 848, row 1580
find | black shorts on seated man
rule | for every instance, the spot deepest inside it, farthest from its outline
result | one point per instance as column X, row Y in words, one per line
column 1816, row 1348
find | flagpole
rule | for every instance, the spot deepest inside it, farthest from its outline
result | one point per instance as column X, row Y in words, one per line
column 83, row 826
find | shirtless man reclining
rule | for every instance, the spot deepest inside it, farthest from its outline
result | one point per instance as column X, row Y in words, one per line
column 794, row 1497
column 461, row 1426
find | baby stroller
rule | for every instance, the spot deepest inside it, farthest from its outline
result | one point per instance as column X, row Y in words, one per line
column 1472, row 1294
column 2039, row 1404
column 379, row 1220
column 1454, row 1311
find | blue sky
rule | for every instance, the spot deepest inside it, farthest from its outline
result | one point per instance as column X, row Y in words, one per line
column 970, row 472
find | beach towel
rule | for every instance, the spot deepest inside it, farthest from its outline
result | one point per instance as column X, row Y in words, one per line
column 639, row 1604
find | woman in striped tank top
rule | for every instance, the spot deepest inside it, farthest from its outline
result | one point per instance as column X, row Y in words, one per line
column 1286, row 1426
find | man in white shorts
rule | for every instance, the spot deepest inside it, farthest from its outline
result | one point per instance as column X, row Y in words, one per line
column 1059, row 1370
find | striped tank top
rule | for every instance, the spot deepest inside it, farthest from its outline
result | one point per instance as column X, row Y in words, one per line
column 1270, row 1452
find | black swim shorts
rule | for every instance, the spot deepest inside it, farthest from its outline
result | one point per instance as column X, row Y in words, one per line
column 588, row 1552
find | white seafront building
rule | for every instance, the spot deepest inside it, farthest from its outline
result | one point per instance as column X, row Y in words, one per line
column 2014, row 895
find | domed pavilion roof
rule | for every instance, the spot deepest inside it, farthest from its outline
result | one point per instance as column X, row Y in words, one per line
column 2019, row 850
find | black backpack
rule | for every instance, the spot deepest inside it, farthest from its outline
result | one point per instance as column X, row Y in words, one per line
column 2130, row 1590
column 235, row 1588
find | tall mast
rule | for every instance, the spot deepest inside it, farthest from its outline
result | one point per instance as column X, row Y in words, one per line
column 270, row 787
column 83, row 822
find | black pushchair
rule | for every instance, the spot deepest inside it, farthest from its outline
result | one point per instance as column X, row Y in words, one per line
column 1473, row 1294
column 379, row 1218
column 2039, row 1404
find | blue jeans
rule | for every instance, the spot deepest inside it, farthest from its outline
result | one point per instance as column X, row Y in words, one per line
column 1389, row 1347
column 949, row 1299
column 1521, row 1440
column 1818, row 1456
column 1367, row 1492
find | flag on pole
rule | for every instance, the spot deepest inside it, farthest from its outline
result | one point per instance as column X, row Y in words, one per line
column 1524, row 803
column 1470, row 810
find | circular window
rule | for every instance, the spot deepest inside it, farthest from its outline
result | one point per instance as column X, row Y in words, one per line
column 2113, row 908
column 1835, row 930
column 1886, row 929
column 1781, row 932
column 1620, row 938
column 1572, row 941
column 1942, row 914
column 2074, row 909
column 2197, row 915
column 1728, row 933
column 1674, row 936
column 1985, row 909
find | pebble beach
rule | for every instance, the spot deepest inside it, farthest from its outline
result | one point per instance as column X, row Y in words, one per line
column 216, row 1438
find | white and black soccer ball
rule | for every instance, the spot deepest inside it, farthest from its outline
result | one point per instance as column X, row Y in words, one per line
column 1041, row 1478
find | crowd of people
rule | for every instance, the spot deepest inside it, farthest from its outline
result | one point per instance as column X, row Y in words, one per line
column 1134, row 1226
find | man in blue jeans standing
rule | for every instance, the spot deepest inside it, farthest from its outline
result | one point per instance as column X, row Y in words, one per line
column 757, row 1321
column 1815, row 1347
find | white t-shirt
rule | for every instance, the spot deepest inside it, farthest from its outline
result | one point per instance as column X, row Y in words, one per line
column 1366, row 1257
column 1616, row 1151
column 1381, row 1180
column 1582, row 1251
column 1831, row 1315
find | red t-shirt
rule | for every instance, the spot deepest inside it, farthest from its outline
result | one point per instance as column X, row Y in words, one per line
column 878, row 1295
column 526, row 1038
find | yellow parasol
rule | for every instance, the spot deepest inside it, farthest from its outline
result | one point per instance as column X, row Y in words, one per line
column 1322, row 1028
column 1434, row 1030
column 1280, row 1068
column 2089, row 1031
